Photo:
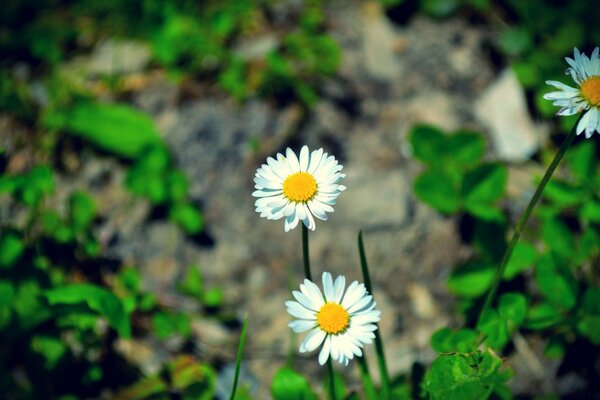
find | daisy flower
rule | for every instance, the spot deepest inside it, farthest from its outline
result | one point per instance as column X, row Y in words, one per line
column 342, row 320
column 298, row 188
column 586, row 97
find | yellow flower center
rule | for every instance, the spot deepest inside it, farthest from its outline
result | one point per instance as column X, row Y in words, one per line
column 300, row 187
column 333, row 318
column 590, row 89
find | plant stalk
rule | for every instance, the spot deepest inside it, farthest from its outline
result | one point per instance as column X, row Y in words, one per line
column 305, row 255
column 331, row 380
column 238, row 361
column 524, row 218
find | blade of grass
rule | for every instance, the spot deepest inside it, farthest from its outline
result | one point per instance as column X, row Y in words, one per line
column 365, row 377
column 238, row 360
column 385, row 379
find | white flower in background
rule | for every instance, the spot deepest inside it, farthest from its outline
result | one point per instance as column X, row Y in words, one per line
column 586, row 97
column 298, row 188
column 343, row 321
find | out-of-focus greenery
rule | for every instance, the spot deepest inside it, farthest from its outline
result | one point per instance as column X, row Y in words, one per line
column 560, row 303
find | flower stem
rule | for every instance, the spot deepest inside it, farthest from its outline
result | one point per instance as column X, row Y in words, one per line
column 331, row 380
column 307, row 273
column 365, row 377
column 383, row 371
column 524, row 218
column 238, row 361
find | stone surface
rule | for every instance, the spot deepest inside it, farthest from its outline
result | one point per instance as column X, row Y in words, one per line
column 503, row 110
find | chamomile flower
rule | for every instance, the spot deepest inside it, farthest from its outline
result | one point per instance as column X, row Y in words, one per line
column 342, row 320
column 586, row 97
column 298, row 189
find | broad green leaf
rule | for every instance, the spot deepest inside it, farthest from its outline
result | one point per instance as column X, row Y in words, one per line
column 428, row 144
column 486, row 212
column 490, row 239
column 188, row 217
column 513, row 308
column 591, row 301
column 35, row 184
column 213, row 297
column 465, row 376
column 555, row 283
column 437, row 189
column 445, row 340
column 82, row 210
column 564, row 194
column 97, row 299
column 559, row 238
column 439, row 8
column 524, row 256
column 589, row 326
column 486, row 184
column 7, row 291
column 129, row 277
column 27, row 305
column 177, row 184
column 590, row 211
column 495, row 329
column 11, row 249
column 555, row 348
column 117, row 128
column 528, row 74
column 464, row 149
column 471, row 279
column 289, row 385
column 192, row 284
column 582, row 160
column 168, row 324
column 51, row 348
column 542, row 316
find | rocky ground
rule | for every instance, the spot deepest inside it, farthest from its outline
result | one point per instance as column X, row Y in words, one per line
column 391, row 77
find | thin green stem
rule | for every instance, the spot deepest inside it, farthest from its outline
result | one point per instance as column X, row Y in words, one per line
column 524, row 218
column 238, row 360
column 331, row 380
column 383, row 371
column 305, row 252
column 365, row 377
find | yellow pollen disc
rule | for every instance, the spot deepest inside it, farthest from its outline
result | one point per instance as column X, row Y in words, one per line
column 300, row 187
column 333, row 318
column 590, row 89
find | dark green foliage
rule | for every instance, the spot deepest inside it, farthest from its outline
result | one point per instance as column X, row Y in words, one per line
column 466, row 376
column 289, row 385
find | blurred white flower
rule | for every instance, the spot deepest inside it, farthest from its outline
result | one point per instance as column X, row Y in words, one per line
column 298, row 188
column 342, row 320
column 586, row 97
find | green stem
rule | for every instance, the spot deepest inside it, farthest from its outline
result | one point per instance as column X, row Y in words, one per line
column 365, row 377
column 305, row 252
column 523, row 220
column 238, row 360
column 331, row 380
column 383, row 371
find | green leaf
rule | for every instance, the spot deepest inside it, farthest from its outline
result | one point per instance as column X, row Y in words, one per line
column 559, row 238
column 490, row 239
column 494, row 328
column 192, row 284
column 428, row 144
column 542, row 316
column 524, row 256
column 116, row 128
column 589, row 326
column 437, row 189
column 471, row 279
column 439, row 8
column 35, row 184
column 82, row 210
column 177, row 184
column 445, row 340
column 465, row 149
column 188, row 217
column 582, row 160
column 591, row 301
column 564, row 194
column 97, row 299
column 213, row 297
column 11, row 249
column 289, row 385
column 470, row 376
column 512, row 307
column 556, row 283
column 485, row 184
column 51, row 348
column 590, row 211
column 7, row 292
column 129, row 277
column 168, row 324
column 27, row 305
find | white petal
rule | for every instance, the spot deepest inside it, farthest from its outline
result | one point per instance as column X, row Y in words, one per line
column 583, row 122
column 306, row 301
column 314, row 339
column 304, row 158
column 313, row 293
column 327, row 286
column 325, row 350
column 353, row 294
column 301, row 325
column 338, row 288
column 292, row 160
column 296, row 310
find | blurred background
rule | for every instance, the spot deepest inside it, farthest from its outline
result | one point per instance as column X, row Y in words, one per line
column 130, row 133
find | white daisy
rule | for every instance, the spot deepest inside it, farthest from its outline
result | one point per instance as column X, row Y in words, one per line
column 296, row 188
column 586, row 97
column 343, row 323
